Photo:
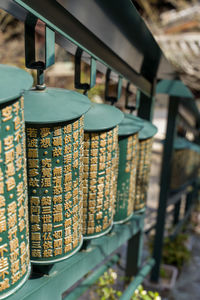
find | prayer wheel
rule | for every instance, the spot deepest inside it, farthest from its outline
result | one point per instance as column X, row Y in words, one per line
column 54, row 139
column 100, row 162
column 128, row 147
column 143, row 161
column 185, row 162
column 14, row 245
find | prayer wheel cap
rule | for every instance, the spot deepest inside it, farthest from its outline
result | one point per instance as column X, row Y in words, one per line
column 13, row 82
column 54, row 105
column 128, row 126
column 102, row 117
column 182, row 143
column 148, row 130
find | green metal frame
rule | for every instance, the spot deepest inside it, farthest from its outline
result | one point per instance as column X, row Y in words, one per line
column 66, row 273
column 176, row 91
column 70, row 29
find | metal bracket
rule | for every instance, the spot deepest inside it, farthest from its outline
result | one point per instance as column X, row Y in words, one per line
column 113, row 99
column 128, row 94
column 77, row 78
column 30, row 49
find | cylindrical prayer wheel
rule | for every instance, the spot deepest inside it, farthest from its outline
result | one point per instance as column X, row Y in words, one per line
column 54, row 139
column 128, row 147
column 185, row 162
column 14, row 245
column 143, row 161
column 100, row 161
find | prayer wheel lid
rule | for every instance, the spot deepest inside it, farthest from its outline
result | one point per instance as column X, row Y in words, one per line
column 182, row 143
column 54, row 105
column 102, row 117
column 148, row 130
column 13, row 82
column 128, row 126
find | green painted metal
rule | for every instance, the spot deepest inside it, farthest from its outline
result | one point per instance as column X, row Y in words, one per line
column 17, row 79
column 14, row 244
column 102, row 117
column 54, row 138
column 77, row 78
column 146, row 105
column 55, row 167
column 128, row 144
column 64, row 274
column 164, row 185
column 91, row 279
column 137, row 280
column 174, row 88
column 113, row 99
column 148, row 129
column 30, row 50
column 128, row 126
column 144, row 160
column 54, row 105
column 81, row 34
column 143, row 173
column 99, row 186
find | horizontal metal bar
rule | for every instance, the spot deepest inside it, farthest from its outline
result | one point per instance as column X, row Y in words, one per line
column 70, row 28
column 66, row 273
column 180, row 224
column 137, row 280
column 90, row 280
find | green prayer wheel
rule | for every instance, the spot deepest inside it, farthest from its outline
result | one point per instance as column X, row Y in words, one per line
column 185, row 162
column 54, row 139
column 143, row 161
column 126, row 183
column 100, row 163
column 14, row 244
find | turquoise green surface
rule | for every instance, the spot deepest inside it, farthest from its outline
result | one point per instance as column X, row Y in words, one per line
column 14, row 240
column 102, row 117
column 175, row 88
column 128, row 126
column 13, row 82
column 55, row 169
column 182, row 143
column 54, row 105
column 148, row 130
column 126, row 178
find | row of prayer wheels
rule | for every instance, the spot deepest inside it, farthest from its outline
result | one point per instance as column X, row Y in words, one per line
column 68, row 172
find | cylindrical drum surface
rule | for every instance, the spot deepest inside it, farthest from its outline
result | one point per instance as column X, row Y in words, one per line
column 55, row 168
column 143, row 172
column 128, row 144
column 100, row 160
column 14, row 245
column 143, row 161
column 185, row 162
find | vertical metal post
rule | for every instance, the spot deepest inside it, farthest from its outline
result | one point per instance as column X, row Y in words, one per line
column 177, row 212
column 134, row 252
column 146, row 107
column 164, row 185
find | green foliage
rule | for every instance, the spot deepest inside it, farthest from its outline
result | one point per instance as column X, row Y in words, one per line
column 105, row 289
column 175, row 252
column 105, row 286
column 141, row 294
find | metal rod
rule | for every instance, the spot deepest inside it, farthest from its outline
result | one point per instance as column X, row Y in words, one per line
column 164, row 186
column 137, row 280
column 90, row 280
